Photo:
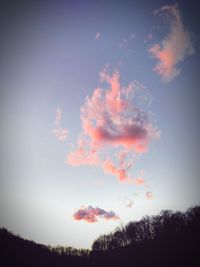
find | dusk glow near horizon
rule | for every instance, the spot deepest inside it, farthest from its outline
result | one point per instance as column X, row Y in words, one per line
column 99, row 116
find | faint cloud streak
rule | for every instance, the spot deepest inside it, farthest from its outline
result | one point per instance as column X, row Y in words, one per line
column 97, row 35
column 60, row 133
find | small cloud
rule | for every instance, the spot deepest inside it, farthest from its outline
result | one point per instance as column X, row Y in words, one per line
column 97, row 35
column 109, row 167
column 139, row 181
column 174, row 47
column 60, row 133
column 149, row 195
column 132, row 35
column 91, row 215
column 128, row 203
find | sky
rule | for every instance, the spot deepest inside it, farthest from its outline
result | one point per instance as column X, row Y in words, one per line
column 99, row 113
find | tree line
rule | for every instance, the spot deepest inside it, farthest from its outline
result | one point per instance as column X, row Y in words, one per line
column 166, row 225
column 167, row 239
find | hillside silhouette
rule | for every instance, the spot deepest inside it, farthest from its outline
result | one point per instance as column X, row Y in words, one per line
column 16, row 251
column 169, row 239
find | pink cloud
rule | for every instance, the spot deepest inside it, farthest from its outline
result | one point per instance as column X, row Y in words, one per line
column 139, row 181
column 125, row 159
column 174, row 47
column 121, row 173
column 91, row 215
column 110, row 168
column 83, row 155
column 97, row 35
column 112, row 120
column 60, row 133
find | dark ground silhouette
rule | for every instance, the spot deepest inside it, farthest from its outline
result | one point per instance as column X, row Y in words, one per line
column 170, row 239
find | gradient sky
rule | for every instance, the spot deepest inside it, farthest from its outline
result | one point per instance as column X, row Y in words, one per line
column 52, row 56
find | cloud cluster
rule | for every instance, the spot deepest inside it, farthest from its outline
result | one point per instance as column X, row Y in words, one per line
column 60, row 133
column 114, row 119
column 174, row 47
column 91, row 215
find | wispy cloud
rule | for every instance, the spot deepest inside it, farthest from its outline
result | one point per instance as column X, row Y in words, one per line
column 60, row 133
column 97, row 35
column 123, row 42
column 92, row 215
column 114, row 119
column 149, row 195
column 128, row 203
column 174, row 47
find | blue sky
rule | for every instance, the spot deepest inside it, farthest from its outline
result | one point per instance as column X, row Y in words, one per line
column 52, row 54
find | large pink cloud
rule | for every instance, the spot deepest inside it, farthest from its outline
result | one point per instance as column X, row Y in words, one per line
column 174, row 47
column 109, row 117
column 113, row 119
column 92, row 215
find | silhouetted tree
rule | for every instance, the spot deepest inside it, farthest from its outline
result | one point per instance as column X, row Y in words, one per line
column 168, row 239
